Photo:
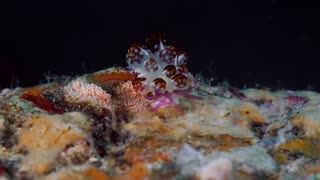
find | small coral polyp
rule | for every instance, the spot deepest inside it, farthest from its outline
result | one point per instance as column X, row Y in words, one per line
column 162, row 74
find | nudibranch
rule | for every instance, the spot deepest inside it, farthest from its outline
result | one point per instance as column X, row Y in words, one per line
column 161, row 72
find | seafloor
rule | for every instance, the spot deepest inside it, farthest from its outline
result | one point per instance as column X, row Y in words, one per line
column 97, row 127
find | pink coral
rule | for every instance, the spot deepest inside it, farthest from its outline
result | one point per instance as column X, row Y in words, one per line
column 296, row 100
column 162, row 74
column 79, row 91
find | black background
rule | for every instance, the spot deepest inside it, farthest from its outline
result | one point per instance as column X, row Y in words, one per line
column 272, row 43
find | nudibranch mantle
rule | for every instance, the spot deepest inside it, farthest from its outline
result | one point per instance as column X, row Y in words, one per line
column 161, row 72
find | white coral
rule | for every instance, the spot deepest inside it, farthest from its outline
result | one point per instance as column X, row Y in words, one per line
column 218, row 169
column 79, row 91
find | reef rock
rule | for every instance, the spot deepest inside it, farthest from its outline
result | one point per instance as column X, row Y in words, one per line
column 98, row 127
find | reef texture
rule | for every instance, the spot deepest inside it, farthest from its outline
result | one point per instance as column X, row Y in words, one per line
column 98, row 127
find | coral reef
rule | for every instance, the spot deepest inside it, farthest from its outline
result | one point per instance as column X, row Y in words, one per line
column 98, row 126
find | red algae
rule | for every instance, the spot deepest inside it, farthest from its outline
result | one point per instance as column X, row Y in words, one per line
column 138, row 155
column 295, row 100
column 96, row 174
column 35, row 95
column 138, row 171
column 109, row 77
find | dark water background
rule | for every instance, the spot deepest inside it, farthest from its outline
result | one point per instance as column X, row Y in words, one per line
column 274, row 43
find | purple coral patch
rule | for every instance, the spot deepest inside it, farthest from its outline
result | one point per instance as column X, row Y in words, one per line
column 296, row 100
column 166, row 100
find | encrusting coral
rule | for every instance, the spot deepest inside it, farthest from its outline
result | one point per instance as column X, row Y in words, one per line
column 79, row 91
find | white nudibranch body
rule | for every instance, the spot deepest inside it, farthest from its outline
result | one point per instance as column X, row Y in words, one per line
column 161, row 70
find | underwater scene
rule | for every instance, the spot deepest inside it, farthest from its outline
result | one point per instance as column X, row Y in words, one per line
column 160, row 90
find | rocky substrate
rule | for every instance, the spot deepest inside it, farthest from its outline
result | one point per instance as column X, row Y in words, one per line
column 97, row 127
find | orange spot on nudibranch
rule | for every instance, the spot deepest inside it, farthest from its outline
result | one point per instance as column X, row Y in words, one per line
column 134, row 55
column 159, row 84
column 151, row 64
column 137, row 84
column 180, row 80
column 170, row 70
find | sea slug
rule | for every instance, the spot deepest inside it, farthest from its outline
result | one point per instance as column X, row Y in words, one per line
column 161, row 72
